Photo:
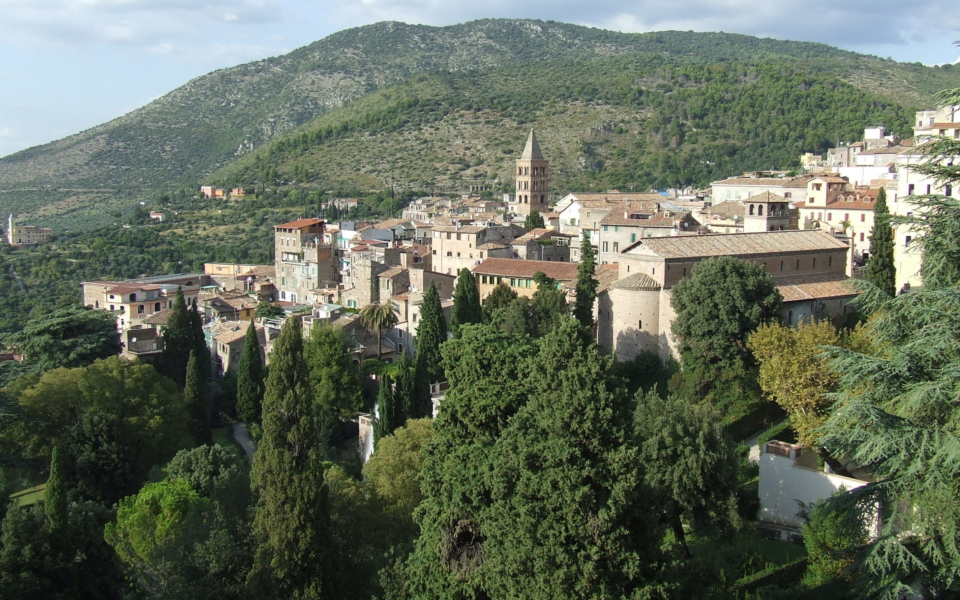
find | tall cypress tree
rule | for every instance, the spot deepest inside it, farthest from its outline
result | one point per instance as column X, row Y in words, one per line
column 177, row 342
column 405, row 390
column 200, row 342
column 431, row 334
column 250, row 378
column 292, row 520
column 193, row 397
column 881, row 271
column 466, row 302
column 387, row 411
column 55, row 505
column 586, row 288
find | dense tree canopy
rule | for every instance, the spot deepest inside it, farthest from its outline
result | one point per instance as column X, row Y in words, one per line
column 717, row 307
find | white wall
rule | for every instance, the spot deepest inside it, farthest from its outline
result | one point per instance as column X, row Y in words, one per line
column 783, row 483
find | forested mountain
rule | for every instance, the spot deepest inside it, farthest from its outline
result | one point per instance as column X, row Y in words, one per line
column 414, row 106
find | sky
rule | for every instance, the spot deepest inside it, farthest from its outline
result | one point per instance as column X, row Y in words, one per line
column 68, row 65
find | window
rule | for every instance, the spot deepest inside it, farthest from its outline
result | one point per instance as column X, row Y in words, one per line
column 947, row 190
column 653, row 271
column 829, row 261
column 112, row 307
column 790, row 318
column 606, row 228
column 633, row 238
column 133, row 297
column 751, row 210
column 863, row 218
column 798, row 264
column 400, row 333
column 616, row 228
column 928, row 189
column 910, row 189
column 156, row 307
column 141, row 310
column 448, row 235
column 846, row 216
column 513, row 282
column 640, row 324
column 760, row 210
column 829, row 216
column 781, row 266
column 906, row 241
column 817, row 187
column 616, row 246
column 605, row 249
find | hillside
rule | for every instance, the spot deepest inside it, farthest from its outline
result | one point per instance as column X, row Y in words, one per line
column 218, row 122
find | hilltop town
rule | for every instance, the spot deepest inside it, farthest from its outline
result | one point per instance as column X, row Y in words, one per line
column 740, row 390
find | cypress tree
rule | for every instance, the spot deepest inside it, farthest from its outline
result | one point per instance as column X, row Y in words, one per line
column 586, row 287
column 881, row 271
column 292, row 519
column 55, row 505
column 386, row 411
column 466, row 302
column 200, row 342
column 250, row 378
column 193, row 397
column 177, row 342
column 431, row 334
column 405, row 390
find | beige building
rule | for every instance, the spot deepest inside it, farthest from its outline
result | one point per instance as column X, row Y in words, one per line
column 541, row 244
column 464, row 247
column 133, row 301
column 620, row 229
column 849, row 213
column 792, row 189
column 532, row 180
column 229, row 339
column 635, row 314
column 26, row 235
column 304, row 264
column 518, row 274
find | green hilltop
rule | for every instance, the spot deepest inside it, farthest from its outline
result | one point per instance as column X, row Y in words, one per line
column 417, row 107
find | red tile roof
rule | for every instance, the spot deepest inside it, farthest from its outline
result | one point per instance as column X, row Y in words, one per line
column 513, row 267
column 299, row 224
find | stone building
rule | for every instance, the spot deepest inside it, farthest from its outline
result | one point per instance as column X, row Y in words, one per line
column 533, row 177
column 635, row 314
column 304, row 263
column 542, row 244
column 457, row 247
column 26, row 235
column 621, row 228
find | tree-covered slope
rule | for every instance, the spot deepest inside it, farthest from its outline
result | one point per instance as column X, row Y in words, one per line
column 212, row 121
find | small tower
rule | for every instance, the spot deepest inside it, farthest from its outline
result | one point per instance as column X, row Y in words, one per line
column 532, row 178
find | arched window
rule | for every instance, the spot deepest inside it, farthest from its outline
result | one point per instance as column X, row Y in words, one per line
column 133, row 297
column 751, row 210
column 760, row 210
column 156, row 307
column 790, row 318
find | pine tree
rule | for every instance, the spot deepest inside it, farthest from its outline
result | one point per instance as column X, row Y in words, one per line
column 292, row 520
column 466, row 302
column 177, row 342
column 431, row 334
column 881, row 271
column 533, row 221
column 586, row 287
column 250, row 378
column 193, row 397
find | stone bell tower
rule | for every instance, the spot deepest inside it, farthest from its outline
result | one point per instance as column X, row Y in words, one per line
column 532, row 178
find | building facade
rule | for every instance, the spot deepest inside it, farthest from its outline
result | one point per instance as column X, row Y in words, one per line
column 304, row 263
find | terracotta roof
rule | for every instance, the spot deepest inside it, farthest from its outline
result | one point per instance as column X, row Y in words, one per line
column 813, row 287
column 861, row 202
column 789, row 182
column 514, row 267
column 607, row 276
column 636, row 282
column 940, row 126
column 263, row 271
column 888, row 150
column 726, row 210
column 237, row 330
column 740, row 244
column 299, row 224
column 390, row 223
column 612, row 199
column 159, row 318
column 492, row 246
column 391, row 272
column 126, row 288
column 461, row 229
column 659, row 219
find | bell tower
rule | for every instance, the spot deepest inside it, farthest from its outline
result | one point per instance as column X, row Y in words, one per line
column 532, row 177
